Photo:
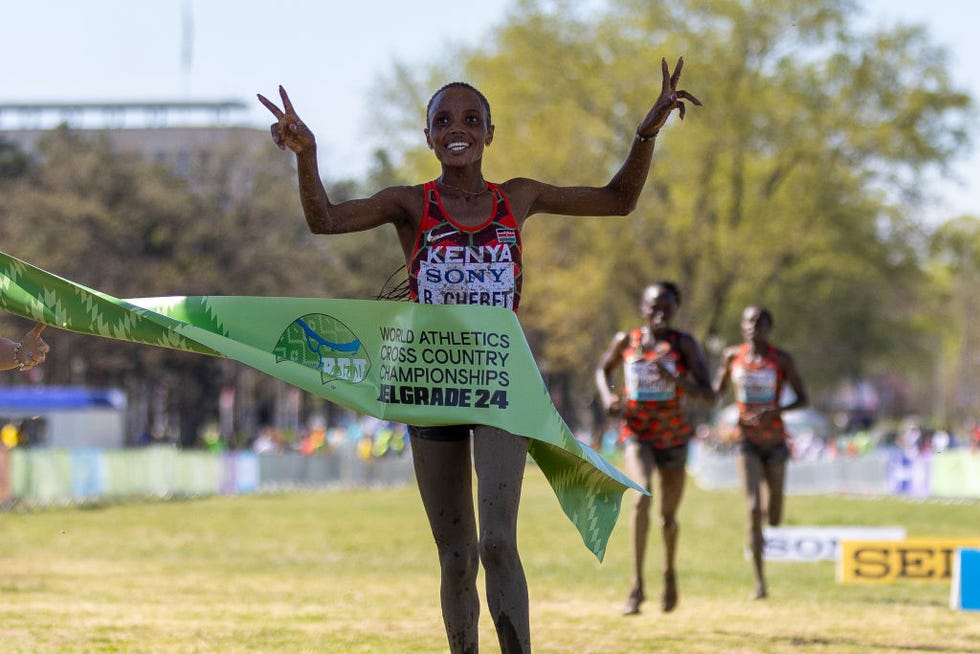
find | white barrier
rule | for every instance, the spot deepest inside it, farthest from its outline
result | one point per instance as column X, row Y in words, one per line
column 41, row 476
column 863, row 475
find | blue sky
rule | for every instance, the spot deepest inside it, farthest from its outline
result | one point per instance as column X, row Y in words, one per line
column 327, row 54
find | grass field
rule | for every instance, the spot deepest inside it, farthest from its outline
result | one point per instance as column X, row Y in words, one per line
column 355, row 571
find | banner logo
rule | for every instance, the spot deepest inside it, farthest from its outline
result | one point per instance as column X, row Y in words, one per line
column 324, row 343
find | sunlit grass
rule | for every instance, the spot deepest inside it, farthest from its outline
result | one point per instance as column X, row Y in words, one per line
column 355, row 571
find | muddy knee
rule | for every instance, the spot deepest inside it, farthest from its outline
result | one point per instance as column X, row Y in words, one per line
column 459, row 564
column 497, row 552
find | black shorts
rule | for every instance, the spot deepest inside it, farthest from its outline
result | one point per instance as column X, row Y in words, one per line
column 767, row 454
column 668, row 457
column 446, row 434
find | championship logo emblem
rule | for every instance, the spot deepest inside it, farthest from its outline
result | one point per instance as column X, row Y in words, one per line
column 324, row 343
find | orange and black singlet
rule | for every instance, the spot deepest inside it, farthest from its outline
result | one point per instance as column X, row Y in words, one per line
column 453, row 264
column 653, row 411
column 758, row 382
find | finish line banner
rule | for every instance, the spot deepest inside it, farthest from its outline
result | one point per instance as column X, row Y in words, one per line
column 405, row 362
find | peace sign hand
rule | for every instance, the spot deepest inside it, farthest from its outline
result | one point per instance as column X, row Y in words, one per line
column 289, row 131
column 670, row 98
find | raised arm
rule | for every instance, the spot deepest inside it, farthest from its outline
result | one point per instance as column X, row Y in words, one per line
column 323, row 216
column 620, row 195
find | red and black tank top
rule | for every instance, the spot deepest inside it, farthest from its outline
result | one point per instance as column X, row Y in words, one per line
column 454, row 264
column 758, row 383
column 653, row 410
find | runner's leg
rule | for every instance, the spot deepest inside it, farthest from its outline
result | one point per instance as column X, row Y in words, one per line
column 775, row 472
column 444, row 476
column 500, row 459
column 639, row 463
column 751, row 470
column 671, row 490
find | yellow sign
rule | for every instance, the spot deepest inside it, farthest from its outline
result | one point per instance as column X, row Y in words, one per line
column 919, row 559
column 9, row 436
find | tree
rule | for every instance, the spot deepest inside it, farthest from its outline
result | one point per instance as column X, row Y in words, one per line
column 132, row 228
column 14, row 162
column 954, row 267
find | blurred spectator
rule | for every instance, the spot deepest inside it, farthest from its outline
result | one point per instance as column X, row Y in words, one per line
column 10, row 436
column 313, row 441
column 212, row 439
column 268, row 441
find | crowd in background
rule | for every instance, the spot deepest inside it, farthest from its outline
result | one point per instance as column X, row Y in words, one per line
column 372, row 438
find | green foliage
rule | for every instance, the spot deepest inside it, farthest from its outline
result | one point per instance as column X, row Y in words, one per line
column 13, row 161
column 229, row 225
column 952, row 308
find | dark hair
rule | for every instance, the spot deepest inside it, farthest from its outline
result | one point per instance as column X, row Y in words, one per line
column 464, row 85
column 763, row 313
column 670, row 287
column 398, row 291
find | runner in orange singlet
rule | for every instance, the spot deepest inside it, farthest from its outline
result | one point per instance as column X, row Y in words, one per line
column 660, row 364
column 758, row 371
column 461, row 238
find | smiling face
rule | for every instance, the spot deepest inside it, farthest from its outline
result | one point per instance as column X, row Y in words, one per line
column 459, row 126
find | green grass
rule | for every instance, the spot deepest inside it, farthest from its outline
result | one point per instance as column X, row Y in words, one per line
column 355, row 571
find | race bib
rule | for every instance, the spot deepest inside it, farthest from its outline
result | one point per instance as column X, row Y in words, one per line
column 644, row 383
column 488, row 284
column 755, row 386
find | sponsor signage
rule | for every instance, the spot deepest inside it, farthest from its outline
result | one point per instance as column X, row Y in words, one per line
column 917, row 559
column 819, row 543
